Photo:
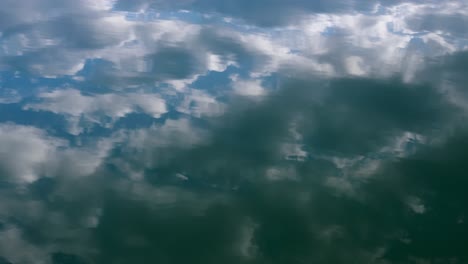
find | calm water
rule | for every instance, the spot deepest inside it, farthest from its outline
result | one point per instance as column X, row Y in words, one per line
column 233, row 131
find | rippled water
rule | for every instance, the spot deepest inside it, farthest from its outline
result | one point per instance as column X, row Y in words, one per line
column 233, row 131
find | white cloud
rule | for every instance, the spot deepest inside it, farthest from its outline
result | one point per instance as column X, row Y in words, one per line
column 363, row 43
column 355, row 65
column 17, row 250
column 181, row 177
column 28, row 153
column 401, row 145
column 97, row 108
column 217, row 63
column 83, row 160
column 293, row 151
column 54, row 38
column 151, row 147
column 416, row 205
column 247, row 87
column 247, row 247
column 280, row 173
column 198, row 103
column 178, row 133
column 25, row 152
column 341, row 184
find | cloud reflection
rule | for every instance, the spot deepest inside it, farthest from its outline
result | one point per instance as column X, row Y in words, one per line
column 233, row 132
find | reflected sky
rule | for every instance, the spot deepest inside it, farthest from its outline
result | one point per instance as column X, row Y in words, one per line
column 234, row 131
